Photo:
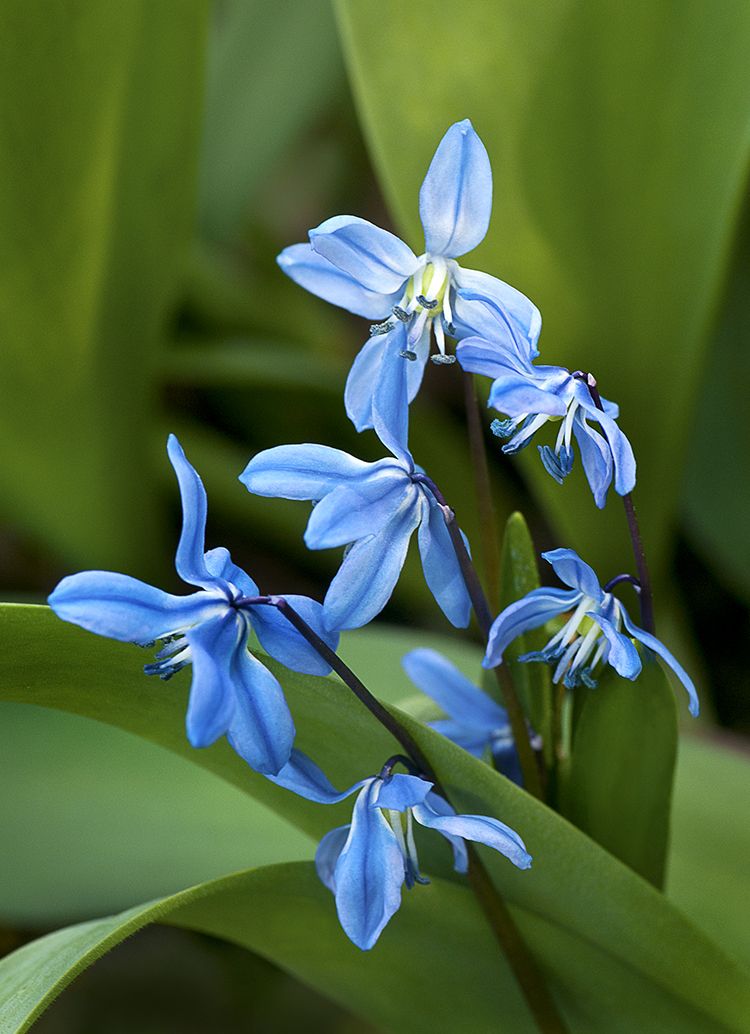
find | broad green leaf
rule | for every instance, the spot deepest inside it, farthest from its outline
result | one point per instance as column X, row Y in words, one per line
column 574, row 884
column 124, row 820
column 619, row 784
column 520, row 575
column 619, row 139
column 97, row 160
column 409, row 982
column 272, row 69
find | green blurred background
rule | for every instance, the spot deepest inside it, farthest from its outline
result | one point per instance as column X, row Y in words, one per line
column 156, row 156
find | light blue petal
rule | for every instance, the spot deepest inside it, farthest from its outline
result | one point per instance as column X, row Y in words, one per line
column 622, row 455
column 378, row 260
column 470, row 737
column 622, row 655
column 440, row 566
column 189, row 561
column 480, row 828
column 301, row 471
column 369, row 874
column 261, row 729
column 211, row 706
column 476, row 354
column 320, row 277
column 400, row 792
column 390, row 400
column 535, row 609
column 124, row 608
column 284, row 643
column 370, row 570
column 220, row 564
column 515, row 395
column 455, row 201
column 573, row 571
column 353, row 512
column 440, row 806
column 327, row 855
column 473, row 316
column 415, row 367
column 360, row 384
column 479, row 286
column 660, row 649
column 596, row 459
column 449, row 688
column 302, row 776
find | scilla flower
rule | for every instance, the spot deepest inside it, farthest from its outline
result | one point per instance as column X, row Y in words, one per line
column 232, row 693
column 374, row 509
column 477, row 722
column 599, row 630
column 366, row 863
column 531, row 396
column 371, row 272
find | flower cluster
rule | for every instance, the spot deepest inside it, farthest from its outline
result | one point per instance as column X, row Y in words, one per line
column 373, row 510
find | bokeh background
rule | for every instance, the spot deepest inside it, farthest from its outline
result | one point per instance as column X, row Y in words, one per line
column 155, row 157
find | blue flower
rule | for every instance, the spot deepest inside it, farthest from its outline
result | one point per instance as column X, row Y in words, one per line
column 373, row 508
column 592, row 636
column 531, row 395
column 477, row 723
column 369, row 271
column 231, row 691
column 366, row 863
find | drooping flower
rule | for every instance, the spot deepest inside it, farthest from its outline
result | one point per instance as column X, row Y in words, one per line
column 232, row 692
column 476, row 722
column 366, row 863
column 371, row 272
column 373, row 509
column 599, row 630
column 532, row 395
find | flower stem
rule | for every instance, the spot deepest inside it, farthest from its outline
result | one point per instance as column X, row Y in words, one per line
column 521, row 961
column 645, row 594
column 526, row 756
column 485, row 505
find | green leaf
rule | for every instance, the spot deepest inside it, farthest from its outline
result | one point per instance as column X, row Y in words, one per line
column 520, row 575
column 576, row 886
column 619, row 141
column 619, row 784
column 98, row 110
column 124, row 820
column 271, row 72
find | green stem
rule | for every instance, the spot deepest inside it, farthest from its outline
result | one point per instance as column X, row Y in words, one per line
column 488, row 531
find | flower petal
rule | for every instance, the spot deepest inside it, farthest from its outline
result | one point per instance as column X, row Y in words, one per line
column 349, row 513
column 448, row 687
column 480, row 828
column 596, row 459
column 220, row 564
column 441, row 568
column 320, row 277
column 622, row 655
column 400, row 792
column 622, row 454
column 472, row 739
column 660, row 649
column 573, row 571
column 440, row 806
column 376, row 259
column 327, row 855
column 477, row 286
column 284, row 643
column 474, row 315
column 302, row 776
column 390, row 401
column 120, row 607
column 190, row 558
column 301, row 471
column 369, row 873
column 233, row 692
column 360, row 384
column 455, row 201
column 370, row 570
column 535, row 609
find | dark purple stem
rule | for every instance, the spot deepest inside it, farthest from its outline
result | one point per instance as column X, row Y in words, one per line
column 644, row 578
